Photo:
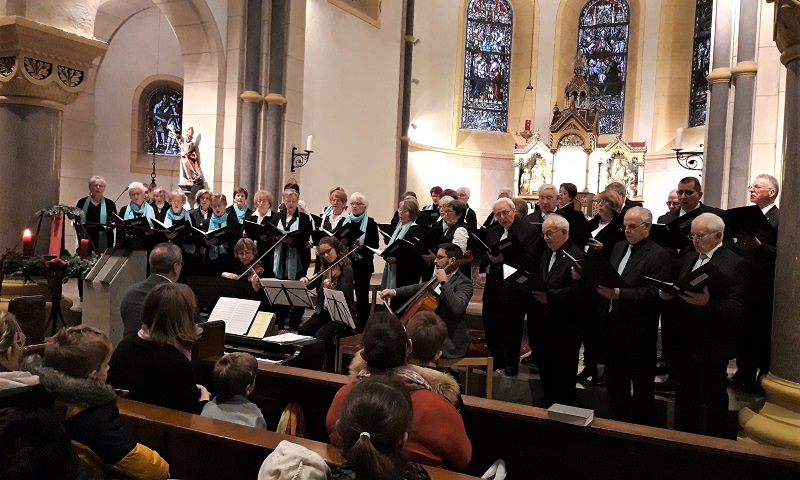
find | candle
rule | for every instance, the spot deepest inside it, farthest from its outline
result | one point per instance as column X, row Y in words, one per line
column 27, row 243
column 527, row 124
column 678, row 138
column 308, row 143
column 83, row 251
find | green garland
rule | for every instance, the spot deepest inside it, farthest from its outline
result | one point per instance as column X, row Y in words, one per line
column 19, row 266
column 71, row 212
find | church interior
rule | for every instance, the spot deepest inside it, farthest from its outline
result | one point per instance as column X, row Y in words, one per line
column 383, row 97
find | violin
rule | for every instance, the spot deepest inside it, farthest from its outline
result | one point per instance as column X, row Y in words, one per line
column 334, row 268
column 257, row 262
column 425, row 299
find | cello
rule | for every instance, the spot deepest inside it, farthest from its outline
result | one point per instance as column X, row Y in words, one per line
column 426, row 299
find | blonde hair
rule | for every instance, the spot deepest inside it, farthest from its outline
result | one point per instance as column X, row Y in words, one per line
column 9, row 330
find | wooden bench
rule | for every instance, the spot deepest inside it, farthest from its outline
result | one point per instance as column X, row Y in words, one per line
column 203, row 448
column 529, row 442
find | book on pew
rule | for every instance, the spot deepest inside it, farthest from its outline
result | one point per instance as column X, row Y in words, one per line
column 750, row 220
column 400, row 249
column 597, row 271
column 239, row 315
column 182, row 227
column 572, row 415
column 523, row 280
column 695, row 281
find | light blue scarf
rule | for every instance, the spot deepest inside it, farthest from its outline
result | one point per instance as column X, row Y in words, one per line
column 389, row 278
column 286, row 259
column 144, row 211
column 171, row 217
column 216, row 222
column 102, row 239
column 361, row 220
column 239, row 213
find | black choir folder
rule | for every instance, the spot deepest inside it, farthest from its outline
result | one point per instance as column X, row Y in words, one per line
column 347, row 233
column 572, row 415
column 750, row 220
column 674, row 234
column 255, row 230
column 217, row 233
column 597, row 271
column 695, row 281
column 138, row 222
column 523, row 280
column 509, row 246
column 400, row 249
column 183, row 227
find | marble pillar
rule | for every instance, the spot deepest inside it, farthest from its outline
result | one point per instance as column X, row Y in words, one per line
column 776, row 421
column 42, row 70
column 245, row 170
column 717, row 118
column 744, row 78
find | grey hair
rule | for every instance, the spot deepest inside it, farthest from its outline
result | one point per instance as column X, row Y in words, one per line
column 136, row 185
column 359, row 196
column 560, row 222
column 163, row 257
column 645, row 214
column 445, row 200
column 466, row 191
column 713, row 223
column 503, row 201
column 773, row 182
column 96, row 178
column 505, row 191
column 547, row 186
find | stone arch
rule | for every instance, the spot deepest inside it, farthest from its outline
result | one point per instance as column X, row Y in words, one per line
column 204, row 69
column 566, row 44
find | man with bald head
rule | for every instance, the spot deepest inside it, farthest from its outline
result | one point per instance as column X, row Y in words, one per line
column 503, row 306
column 560, row 312
column 707, row 329
column 632, row 313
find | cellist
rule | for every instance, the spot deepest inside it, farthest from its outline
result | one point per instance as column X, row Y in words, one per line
column 454, row 290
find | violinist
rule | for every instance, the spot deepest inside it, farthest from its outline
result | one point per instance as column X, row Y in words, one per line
column 454, row 290
column 339, row 276
column 246, row 253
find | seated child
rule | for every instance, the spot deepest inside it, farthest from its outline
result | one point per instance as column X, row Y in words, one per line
column 427, row 332
column 234, row 379
column 74, row 370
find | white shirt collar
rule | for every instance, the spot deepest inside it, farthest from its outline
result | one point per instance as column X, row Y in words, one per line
column 767, row 208
column 713, row 251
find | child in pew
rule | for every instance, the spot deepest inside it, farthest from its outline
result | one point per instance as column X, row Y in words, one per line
column 374, row 426
column 74, row 370
column 235, row 379
column 427, row 333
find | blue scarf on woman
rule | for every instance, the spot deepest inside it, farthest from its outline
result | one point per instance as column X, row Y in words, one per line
column 389, row 279
column 361, row 220
column 239, row 213
column 102, row 239
column 216, row 222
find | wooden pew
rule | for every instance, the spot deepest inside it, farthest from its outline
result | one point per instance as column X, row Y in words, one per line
column 203, row 448
column 529, row 442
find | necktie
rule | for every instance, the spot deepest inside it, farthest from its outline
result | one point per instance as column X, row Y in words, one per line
column 625, row 259
column 702, row 260
column 504, row 235
column 552, row 261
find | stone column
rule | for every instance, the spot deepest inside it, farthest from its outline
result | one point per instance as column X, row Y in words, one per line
column 744, row 78
column 245, row 169
column 42, row 70
column 717, row 118
column 777, row 420
column 405, row 104
column 273, row 164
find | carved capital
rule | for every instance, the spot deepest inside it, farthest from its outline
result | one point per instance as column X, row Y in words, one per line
column 787, row 29
column 43, row 65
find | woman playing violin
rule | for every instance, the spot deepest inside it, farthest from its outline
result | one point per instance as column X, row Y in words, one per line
column 245, row 252
column 332, row 254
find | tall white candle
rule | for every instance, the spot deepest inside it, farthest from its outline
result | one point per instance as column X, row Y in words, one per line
column 678, row 138
column 308, row 142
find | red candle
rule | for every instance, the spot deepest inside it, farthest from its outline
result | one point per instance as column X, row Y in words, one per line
column 27, row 243
column 527, row 124
column 83, row 251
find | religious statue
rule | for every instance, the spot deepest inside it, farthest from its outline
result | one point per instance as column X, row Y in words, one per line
column 191, row 172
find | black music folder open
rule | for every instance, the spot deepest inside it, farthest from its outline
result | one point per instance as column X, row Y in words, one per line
column 509, row 246
column 674, row 234
column 400, row 249
column 597, row 271
column 695, row 281
column 523, row 280
column 749, row 219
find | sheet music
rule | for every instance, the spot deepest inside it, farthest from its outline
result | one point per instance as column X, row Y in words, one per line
column 286, row 338
column 377, row 251
column 237, row 313
column 261, row 325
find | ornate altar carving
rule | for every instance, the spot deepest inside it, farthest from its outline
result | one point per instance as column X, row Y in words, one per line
column 534, row 167
column 623, row 162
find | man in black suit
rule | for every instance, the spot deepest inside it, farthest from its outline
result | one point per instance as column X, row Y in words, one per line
column 503, row 306
column 673, row 204
column 548, row 196
column 560, row 311
column 503, row 193
column 689, row 194
column 752, row 359
column 633, row 319
column 165, row 266
column 707, row 330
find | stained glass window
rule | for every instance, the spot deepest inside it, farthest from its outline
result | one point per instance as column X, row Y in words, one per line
column 603, row 40
column 486, row 66
column 701, row 54
column 164, row 107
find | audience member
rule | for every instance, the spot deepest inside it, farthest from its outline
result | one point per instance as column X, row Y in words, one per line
column 290, row 461
column 234, row 380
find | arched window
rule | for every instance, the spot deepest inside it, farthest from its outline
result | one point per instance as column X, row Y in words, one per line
column 603, row 40
column 163, row 110
column 487, row 66
column 701, row 55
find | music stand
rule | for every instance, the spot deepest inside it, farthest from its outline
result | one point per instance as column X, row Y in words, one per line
column 337, row 307
column 290, row 293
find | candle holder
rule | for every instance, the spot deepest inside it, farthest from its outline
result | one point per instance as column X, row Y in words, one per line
column 691, row 159
column 300, row 159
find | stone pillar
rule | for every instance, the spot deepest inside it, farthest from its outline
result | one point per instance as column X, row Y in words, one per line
column 245, row 170
column 717, row 118
column 744, row 78
column 271, row 166
column 777, row 420
column 405, row 104
column 42, row 70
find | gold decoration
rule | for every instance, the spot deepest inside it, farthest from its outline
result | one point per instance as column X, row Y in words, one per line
column 719, row 75
column 274, row 99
